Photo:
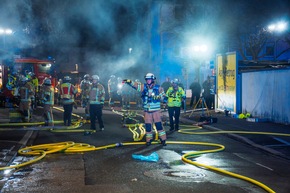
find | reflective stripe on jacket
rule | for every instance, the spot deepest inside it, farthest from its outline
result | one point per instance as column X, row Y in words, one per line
column 48, row 95
column 26, row 92
column 97, row 94
column 151, row 98
column 175, row 96
column 67, row 91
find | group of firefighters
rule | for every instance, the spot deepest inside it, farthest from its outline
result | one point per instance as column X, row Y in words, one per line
column 150, row 94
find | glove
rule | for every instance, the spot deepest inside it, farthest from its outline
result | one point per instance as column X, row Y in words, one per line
column 127, row 81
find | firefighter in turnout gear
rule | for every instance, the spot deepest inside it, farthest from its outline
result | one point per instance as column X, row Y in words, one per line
column 34, row 81
column 96, row 100
column 47, row 98
column 152, row 95
column 85, row 86
column 26, row 92
column 67, row 92
column 176, row 96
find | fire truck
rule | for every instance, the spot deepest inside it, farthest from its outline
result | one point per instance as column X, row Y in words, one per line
column 11, row 70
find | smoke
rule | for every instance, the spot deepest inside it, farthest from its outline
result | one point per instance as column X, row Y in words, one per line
column 97, row 34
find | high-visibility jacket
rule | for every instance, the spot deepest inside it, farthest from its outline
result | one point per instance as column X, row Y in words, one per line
column 26, row 92
column 67, row 92
column 34, row 81
column 97, row 94
column 175, row 97
column 85, row 88
column 152, row 97
column 47, row 95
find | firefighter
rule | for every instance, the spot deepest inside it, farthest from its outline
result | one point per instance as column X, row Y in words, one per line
column 176, row 96
column 34, row 81
column 26, row 92
column 67, row 92
column 47, row 98
column 126, row 97
column 112, row 90
column 57, row 88
column 152, row 95
column 85, row 86
column 96, row 100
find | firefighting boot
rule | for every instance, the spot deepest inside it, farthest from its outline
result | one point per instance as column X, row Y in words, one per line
column 163, row 142
column 148, row 143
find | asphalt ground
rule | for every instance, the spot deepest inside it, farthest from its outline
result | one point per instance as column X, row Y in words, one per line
column 277, row 145
column 267, row 136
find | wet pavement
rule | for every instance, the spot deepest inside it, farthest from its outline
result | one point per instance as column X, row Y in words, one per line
column 263, row 135
column 276, row 145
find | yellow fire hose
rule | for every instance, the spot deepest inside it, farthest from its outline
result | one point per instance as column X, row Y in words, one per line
column 76, row 124
column 40, row 151
column 70, row 147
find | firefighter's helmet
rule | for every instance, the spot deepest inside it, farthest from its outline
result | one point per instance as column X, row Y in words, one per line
column 86, row 76
column 24, row 79
column 149, row 76
column 31, row 74
column 96, row 77
column 174, row 81
column 47, row 82
column 66, row 79
column 112, row 77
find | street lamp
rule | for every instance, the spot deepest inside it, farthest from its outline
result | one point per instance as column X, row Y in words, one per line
column 279, row 28
column 5, row 32
column 199, row 51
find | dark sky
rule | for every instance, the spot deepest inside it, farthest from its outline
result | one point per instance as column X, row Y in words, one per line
column 112, row 26
column 108, row 22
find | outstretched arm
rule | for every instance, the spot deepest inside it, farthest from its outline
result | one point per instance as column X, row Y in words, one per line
column 136, row 85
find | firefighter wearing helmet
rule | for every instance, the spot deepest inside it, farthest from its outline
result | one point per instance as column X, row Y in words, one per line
column 26, row 92
column 85, row 86
column 47, row 98
column 96, row 100
column 152, row 95
column 67, row 92
column 34, row 81
column 175, row 96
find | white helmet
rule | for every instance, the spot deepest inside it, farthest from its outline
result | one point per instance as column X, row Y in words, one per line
column 95, row 77
column 47, row 81
column 174, row 81
column 86, row 76
column 150, row 76
column 31, row 74
column 24, row 79
column 67, row 78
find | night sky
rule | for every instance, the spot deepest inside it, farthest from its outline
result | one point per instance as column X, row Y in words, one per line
column 110, row 27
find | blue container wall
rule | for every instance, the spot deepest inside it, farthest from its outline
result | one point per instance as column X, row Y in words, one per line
column 266, row 94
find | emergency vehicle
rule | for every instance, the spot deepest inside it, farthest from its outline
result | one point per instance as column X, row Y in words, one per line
column 11, row 70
